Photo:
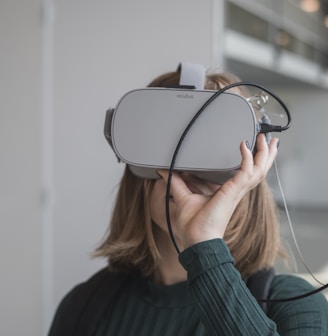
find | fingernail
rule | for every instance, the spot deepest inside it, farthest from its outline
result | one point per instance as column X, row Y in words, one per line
column 247, row 145
column 278, row 143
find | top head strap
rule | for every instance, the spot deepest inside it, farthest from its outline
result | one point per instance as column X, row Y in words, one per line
column 192, row 74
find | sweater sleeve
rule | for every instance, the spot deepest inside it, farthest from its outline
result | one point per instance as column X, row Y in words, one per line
column 226, row 306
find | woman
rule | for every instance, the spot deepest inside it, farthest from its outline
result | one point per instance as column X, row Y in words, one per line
column 227, row 234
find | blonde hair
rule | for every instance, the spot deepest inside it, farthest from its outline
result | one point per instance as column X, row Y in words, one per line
column 252, row 234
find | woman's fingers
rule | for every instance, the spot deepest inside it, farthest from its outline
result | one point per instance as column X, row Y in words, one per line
column 253, row 169
column 266, row 153
column 178, row 187
column 247, row 157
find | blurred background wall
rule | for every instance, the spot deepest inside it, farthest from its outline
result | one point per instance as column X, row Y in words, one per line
column 63, row 63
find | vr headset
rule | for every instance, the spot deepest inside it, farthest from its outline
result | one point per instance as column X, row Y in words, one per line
column 146, row 126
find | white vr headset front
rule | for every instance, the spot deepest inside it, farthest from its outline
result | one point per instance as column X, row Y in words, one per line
column 146, row 125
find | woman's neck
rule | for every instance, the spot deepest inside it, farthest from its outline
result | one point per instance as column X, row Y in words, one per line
column 169, row 270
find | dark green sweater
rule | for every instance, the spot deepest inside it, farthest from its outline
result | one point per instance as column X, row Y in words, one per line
column 214, row 301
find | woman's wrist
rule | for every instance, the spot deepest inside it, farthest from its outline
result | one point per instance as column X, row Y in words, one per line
column 205, row 255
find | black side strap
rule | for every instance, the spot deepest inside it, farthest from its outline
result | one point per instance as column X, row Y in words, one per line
column 259, row 285
column 82, row 309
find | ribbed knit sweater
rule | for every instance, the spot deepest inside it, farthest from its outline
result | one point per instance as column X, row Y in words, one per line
column 213, row 301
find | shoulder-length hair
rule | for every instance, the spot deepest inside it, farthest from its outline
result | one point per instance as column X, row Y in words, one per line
column 252, row 234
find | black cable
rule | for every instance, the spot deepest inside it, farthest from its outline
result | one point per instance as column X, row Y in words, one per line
column 301, row 296
column 297, row 297
column 264, row 128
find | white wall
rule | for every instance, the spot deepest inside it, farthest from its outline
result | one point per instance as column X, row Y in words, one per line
column 20, row 167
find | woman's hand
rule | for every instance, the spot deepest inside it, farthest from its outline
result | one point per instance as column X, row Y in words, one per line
column 202, row 217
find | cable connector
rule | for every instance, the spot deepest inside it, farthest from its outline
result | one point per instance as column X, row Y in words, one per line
column 267, row 128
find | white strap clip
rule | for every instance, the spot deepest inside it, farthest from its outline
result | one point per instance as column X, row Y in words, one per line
column 192, row 75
